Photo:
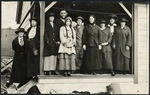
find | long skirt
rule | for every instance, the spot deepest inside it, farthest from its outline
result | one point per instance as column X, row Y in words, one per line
column 79, row 57
column 66, row 62
column 33, row 64
column 107, row 60
column 92, row 60
column 18, row 73
column 50, row 63
column 121, row 62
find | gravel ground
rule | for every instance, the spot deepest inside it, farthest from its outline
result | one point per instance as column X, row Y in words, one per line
column 4, row 79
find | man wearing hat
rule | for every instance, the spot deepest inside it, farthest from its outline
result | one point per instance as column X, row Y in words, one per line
column 33, row 50
column 122, row 43
column 105, row 40
column 18, row 73
column 112, row 19
column 51, row 44
column 79, row 50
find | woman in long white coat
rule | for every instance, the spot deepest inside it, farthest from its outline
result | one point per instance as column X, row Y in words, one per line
column 67, row 48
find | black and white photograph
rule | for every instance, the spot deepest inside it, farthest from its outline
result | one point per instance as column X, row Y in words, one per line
column 75, row 47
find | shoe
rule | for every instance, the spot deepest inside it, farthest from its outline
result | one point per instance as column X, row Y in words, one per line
column 68, row 74
column 124, row 73
column 112, row 73
column 46, row 73
column 94, row 73
column 65, row 74
column 54, row 73
column 35, row 78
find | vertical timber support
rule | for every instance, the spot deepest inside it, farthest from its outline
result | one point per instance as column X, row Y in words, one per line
column 42, row 28
column 136, row 44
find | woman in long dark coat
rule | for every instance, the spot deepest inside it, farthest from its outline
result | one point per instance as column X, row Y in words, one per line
column 51, row 44
column 18, row 74
column 91, row 44
column 33, row 49
column 106, row 38
column 121, row 44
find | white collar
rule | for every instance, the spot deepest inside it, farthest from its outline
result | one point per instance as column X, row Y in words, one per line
column 112, row 25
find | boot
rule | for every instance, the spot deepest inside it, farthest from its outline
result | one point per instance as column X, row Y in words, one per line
column 112, row 73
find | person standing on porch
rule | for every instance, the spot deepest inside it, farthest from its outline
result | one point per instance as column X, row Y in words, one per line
column 91, row 45
column 67, row 48
column 33, row 49
column 51, row 44
column 112, row 18
column 122, row 43
column 106, row 38
column 59, row 23
column 79, row 50
column 19, row 66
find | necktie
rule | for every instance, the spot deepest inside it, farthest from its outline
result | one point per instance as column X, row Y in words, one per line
column 21, row 42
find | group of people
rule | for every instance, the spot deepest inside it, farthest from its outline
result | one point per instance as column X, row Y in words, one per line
column 27, row 54
column 70, row 47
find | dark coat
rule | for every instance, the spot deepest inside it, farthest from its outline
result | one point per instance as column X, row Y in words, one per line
column 91, row 57
column 32, row 60
column 50, row 38
column 122, row 38
column 91, row 35
column 59, row 24
column 106, row 36
column 19, row 70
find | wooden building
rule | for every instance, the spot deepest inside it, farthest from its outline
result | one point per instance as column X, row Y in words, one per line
column 138, row 15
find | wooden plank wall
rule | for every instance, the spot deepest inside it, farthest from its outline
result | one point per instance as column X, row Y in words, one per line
column 142, row 43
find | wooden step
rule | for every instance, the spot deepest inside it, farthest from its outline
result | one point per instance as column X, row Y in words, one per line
column 81, row 78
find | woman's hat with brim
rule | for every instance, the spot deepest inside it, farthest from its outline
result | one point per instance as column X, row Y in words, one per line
column 50, row 14
column 20, row 30
column 102, row 21
column 34, row 18
column 123, row 19
column 68, row 18
column 112, row 16
column 79, row 17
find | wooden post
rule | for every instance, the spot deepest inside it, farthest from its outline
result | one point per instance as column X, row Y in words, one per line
column 136, row 44
column 42, row 28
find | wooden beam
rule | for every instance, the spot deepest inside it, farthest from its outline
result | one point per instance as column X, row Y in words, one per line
column 50, row 5
column 136, row 63
column 42, row 28
column 125, row 9
column 26, row 14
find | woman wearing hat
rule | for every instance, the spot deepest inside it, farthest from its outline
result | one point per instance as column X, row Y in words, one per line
column 112, row 25
column 106, row 38
column 67, row 48
column 121, row 44
column 91, row 45
column 51, row 44
column 33, row 53
column 79, row 50
column 18, row 74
